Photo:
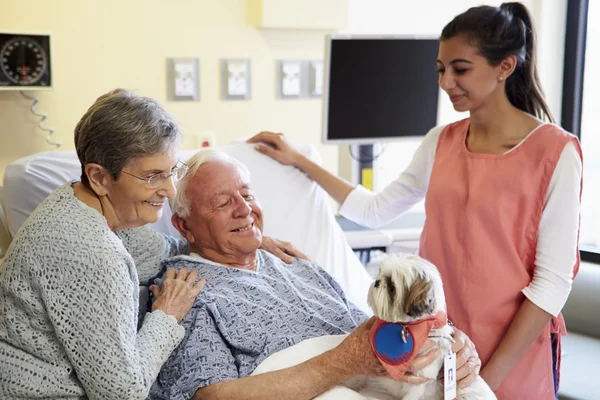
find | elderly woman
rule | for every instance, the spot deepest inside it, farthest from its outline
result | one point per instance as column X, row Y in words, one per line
column 70, row 281
column 253, row 305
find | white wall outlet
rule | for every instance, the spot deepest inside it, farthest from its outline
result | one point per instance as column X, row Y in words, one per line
column 290, row 79
column 183, row 79
column 299, row 79
column 235, row 79
column 205, row 139
column 315, row 74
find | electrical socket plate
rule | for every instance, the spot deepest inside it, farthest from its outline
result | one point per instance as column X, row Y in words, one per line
column 291, row 79
column 235, row 79
column 315, row 78
column 299, row 79
column 183, row 79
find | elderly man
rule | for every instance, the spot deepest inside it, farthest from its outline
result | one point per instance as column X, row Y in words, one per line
column 253, row 305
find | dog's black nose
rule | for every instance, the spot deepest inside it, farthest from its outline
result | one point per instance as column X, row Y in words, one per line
column 376, row 283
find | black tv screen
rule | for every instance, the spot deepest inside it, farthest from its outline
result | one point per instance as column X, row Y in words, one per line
column 379, row 88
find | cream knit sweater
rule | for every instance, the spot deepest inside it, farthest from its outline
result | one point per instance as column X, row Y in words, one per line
column 69, row 290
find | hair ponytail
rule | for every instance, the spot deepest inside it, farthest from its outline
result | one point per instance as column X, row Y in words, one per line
column 499, row 32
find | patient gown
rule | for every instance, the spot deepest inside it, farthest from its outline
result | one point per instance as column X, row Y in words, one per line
column 242, row 317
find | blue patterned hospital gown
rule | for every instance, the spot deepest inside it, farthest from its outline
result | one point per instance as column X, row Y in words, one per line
column 242, row 317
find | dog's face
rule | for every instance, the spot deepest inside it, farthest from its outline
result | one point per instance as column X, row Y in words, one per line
column 408, row 288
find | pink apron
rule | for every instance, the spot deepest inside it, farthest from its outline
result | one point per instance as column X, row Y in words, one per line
column 483, row 217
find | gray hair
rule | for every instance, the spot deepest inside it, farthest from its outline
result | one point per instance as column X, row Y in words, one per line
column 181, row 204
column 121, row 126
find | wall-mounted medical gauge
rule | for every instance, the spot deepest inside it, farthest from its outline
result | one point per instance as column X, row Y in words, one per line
column 25, row 62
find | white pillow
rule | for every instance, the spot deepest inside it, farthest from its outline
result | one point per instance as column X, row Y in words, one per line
column 31, row 179
column 295, row 209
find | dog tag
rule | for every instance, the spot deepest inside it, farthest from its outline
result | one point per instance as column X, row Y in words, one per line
column 393, row 344
column 450, row 377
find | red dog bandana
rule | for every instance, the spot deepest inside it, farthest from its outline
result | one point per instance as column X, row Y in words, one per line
column 396, row 345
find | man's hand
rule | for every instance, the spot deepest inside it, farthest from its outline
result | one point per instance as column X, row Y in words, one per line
column 356, row 356
column 284, row 250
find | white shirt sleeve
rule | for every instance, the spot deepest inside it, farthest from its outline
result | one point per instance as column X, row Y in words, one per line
column 557, row 246
column 373, row 210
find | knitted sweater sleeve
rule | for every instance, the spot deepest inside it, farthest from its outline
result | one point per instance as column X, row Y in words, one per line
column 93, row 308
column 149, row 248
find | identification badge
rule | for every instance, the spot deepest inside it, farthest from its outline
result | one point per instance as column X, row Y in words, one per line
column 450, row 377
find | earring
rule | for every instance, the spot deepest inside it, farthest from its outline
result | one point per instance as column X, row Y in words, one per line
column 500, row 78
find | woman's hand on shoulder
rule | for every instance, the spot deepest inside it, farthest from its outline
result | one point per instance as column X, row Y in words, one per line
column 178, row 292
column 276, row 146
column 284, row 250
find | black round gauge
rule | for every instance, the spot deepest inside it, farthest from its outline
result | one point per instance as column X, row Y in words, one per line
column 24, row 61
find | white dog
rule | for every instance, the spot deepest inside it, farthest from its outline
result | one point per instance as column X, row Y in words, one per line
column 409, row 289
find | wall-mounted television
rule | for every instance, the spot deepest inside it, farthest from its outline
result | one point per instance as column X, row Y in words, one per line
column 379, row 88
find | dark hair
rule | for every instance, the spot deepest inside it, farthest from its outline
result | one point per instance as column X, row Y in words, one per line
column 121, row 126
column 499, row 32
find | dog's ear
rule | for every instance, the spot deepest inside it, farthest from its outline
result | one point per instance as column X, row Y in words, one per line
column 417, row 301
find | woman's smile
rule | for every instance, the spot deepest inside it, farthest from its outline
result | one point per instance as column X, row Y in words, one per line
column 155, row 203
column 456, row 98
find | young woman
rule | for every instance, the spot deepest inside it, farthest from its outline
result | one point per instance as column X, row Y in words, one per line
column 502, row 198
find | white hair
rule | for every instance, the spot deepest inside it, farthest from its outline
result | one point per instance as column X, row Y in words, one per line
column 181, row 204
column 407, row 288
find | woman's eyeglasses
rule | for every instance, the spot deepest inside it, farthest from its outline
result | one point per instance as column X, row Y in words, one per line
column 155, row 181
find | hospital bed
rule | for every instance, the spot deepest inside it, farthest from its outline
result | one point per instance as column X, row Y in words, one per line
column 295, row 209
column 298, row 211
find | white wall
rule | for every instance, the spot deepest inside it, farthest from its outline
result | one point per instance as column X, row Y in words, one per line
column 90, row 59
column 101, row 45
column 428, row 18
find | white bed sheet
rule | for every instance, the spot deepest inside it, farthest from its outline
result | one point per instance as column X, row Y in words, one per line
column 311, row 348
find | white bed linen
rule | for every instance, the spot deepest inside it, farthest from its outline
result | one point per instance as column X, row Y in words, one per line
column 306, row 350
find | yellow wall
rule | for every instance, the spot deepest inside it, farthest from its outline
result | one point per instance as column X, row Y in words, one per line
column 103, row 44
